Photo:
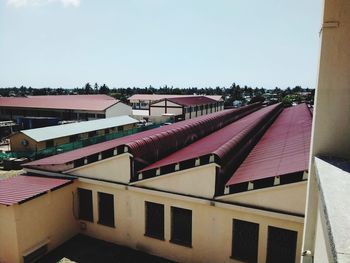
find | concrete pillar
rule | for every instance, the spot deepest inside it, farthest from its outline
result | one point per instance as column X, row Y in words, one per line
column 331, row 122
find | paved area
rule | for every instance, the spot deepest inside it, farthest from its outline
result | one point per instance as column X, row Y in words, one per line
column 84, row 249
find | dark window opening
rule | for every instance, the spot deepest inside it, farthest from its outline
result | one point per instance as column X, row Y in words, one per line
column 263, row 183
column 49, row 143
column 154, row 220
column 85, row 204
column 92, row 134
column 79, row 162
column 237, row 188
column 107, row 153
column 106, row 209
column 245, row 240
column 281, row 245
column 167, row 169
column 291, row 178
column 73, row 138
column 107, row 131
column 181, row 226
column 92, row 158
column 187, row 164
column 120, row 128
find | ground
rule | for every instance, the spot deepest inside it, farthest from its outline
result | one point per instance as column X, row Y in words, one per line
column 84, row 249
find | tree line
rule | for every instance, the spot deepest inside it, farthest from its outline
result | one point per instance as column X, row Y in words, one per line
column 233, row 93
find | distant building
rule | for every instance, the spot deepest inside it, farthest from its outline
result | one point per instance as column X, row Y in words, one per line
column 42, row 138
column 183, row 108
column 141, row 102
column 225, row 187
column 64, row 107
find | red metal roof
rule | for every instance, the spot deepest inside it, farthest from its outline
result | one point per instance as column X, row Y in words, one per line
column 219, row 143
column 192, row 101
column 155, row 97
column 283, row 149
column 178, row 133
column 21, row 188
column 72, row 102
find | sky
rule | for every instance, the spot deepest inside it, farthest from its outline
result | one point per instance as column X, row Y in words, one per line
column 180, row 43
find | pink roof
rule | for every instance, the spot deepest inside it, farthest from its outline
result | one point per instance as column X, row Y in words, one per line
column 193, row 100
column 218, row 143
column 72, row 102
column 21, row 188
column 155, row 97
column 283, row 149
column 139, row 138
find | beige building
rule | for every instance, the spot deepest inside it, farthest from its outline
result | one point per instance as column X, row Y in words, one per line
column 41, row 138
column 184, row 108
column 172, row 192
column 64, row 107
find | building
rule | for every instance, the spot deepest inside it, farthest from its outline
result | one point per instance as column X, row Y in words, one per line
column 65, row 107
column 327, row 221
column 41, row 138
column 183, row 108
column 172, row 191
column 141, row 102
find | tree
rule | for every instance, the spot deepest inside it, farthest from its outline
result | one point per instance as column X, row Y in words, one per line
column 104, row 89
column 96, row 88
column 88, row 88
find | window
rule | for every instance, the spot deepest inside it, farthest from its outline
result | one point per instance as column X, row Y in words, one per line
column 120, row 128
column 107, row 131
column 181, row 226
column 92, row 134
column 154, row 220
column 281, row 245
column 73, row 138
column 85, row 204
column 49, row 143
column 106, row 209
column 245, row 239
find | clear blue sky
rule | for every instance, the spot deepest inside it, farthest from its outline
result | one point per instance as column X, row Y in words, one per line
column 66, row 43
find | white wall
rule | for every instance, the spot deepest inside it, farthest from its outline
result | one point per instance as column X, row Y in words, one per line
column 118, row 110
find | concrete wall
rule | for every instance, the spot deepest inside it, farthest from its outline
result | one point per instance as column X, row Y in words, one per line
column 288, row 198
column 47, row 219
column 211, row 224
column 16, row 143
column 331, row 122
column 118, row 110
column 9, row 251
column 115, row 169
column 197, row 181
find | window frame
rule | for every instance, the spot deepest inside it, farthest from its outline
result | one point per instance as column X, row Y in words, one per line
column 237, row 255
column 89, row 218
column 148, row 229
column 104, row 222
column 174, row 238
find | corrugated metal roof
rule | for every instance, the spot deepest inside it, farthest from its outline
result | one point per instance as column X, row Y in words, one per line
column 63, row 102
column 192, row 101
column 53, row 132
column 156, row 97
column 177, row 130
column 219, row 143
column 21, row 188
column 283, row 149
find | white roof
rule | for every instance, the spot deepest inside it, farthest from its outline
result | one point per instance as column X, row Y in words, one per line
column 53, row 132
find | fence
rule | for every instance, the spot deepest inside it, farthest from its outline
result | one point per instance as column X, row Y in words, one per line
column 33, row 155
